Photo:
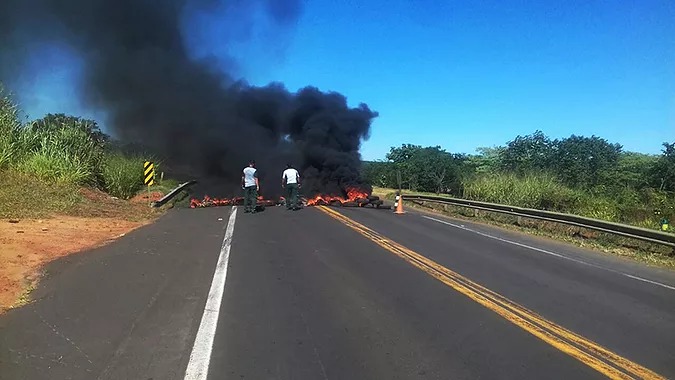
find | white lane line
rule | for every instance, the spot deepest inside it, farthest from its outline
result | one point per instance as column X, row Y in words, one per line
column 551, row 253
column 200, row 358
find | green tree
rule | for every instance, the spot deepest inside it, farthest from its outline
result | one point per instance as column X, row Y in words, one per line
column 487, row 161
column 429, row 169
column 379, row 173
column 437, row 169
column 586, row 162
column 663, row 173
column 527, row 154
column 402, row 159
column 53, row 122
column 635, row 170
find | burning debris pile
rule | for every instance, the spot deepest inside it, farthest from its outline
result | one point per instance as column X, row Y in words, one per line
column 236, row 201
column 354, row 198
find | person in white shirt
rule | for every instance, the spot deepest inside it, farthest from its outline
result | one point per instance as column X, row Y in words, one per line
column 251, row 186
column 290, row 180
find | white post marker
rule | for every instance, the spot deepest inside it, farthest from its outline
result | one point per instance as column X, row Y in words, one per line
column 200, row 358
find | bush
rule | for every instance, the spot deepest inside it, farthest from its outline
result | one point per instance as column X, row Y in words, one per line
column 122, row 175
column 600, row 208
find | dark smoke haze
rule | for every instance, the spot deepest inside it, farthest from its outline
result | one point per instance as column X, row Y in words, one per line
column 137, row 68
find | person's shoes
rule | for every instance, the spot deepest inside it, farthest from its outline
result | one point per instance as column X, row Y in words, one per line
column 247, row 211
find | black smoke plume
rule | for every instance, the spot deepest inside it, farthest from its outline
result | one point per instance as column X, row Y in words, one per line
column 138, row 70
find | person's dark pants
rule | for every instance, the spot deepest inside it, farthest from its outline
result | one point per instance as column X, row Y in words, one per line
column 292, row 196
column 250, row 198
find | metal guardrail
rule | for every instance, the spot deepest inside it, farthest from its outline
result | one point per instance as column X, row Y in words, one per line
column 161, row 202
column 633, row 232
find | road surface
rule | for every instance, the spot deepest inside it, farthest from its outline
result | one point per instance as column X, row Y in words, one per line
column 340, row 294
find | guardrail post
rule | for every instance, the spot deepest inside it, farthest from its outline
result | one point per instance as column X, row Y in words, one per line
column 172, row 193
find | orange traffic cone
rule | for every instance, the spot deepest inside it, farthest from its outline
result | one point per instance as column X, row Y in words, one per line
column 399, row 205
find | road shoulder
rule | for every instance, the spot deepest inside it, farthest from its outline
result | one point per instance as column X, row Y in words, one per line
column 125, row 310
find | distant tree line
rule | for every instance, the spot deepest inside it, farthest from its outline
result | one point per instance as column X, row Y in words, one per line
column 578, row 162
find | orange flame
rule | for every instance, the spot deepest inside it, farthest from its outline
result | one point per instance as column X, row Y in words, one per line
column 212, row 202
column 208, row 202
column 353, row 194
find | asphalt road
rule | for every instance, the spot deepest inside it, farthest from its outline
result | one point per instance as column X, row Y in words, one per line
column 315, row 295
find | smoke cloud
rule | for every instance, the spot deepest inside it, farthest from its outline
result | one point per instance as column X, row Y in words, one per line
column 138, row 69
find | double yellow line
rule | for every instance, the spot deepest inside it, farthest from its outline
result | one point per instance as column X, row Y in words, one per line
column 576, row 346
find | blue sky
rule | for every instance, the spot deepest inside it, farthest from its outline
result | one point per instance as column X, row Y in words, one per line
column 477, row 73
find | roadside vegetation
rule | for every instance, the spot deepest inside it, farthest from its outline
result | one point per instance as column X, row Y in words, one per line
column 586, row 176
column 65, row 187
column 53, row 164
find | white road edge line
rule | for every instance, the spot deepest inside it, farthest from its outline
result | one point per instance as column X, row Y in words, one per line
column 550, row 253
column 200, row 358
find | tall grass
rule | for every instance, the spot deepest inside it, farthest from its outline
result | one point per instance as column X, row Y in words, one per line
column 58, row 154
column 9, row 128
column 62, row 155
column 122, row 175
column 64, row 152
column 541, row 191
